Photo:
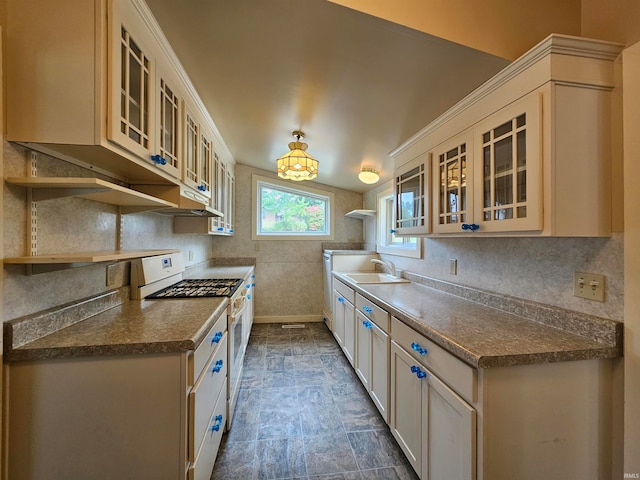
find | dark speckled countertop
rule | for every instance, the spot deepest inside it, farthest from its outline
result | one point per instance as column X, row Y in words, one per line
column 113, row 325
column 484, row 336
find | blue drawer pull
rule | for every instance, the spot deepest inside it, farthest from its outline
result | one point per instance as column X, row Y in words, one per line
column 218, row 367
column 216, row 338
column 419, row 349
column 367, row 324
column 419, row 373
column 341, row 300
column 216, row 426
column 366, row 309
column 470, row 226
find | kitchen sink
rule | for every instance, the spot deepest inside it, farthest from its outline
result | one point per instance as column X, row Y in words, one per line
column 374, row 278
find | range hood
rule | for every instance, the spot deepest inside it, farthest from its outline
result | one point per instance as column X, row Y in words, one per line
column 189, row 203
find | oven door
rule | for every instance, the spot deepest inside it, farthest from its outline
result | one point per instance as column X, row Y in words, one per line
column 238, row 325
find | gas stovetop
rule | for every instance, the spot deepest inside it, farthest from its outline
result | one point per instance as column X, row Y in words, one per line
column 212, row 287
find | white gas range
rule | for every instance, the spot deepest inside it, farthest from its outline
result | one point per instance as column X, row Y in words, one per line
column 161, row 278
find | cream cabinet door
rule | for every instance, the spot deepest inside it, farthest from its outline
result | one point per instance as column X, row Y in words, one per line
column 349, row 345
column 450, row 434
column 167, row 153
column 408, row 412
column 363, row 351
column 411, row 182
column 131, row 73
column 508, row 168
column 338, row 317
column 379, row 379
column 452, row 184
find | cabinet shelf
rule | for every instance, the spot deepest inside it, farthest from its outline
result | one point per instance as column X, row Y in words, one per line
column 61, row 261
column 131, row 201
column 361, row 214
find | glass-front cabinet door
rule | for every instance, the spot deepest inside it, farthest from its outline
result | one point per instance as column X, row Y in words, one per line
column 191, row 167
column 131, row 81
column 453, row 184
column 410, row 191
column 168, row 155
column 508, row 169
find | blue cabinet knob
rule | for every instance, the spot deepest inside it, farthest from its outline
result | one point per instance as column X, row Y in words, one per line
column 419, row 349
column 418, row 371
column 218, row 423
column 392, row 231
column 366, row 309
column 472, row 227
column 158, row 160
column 217, row 367
column 341, row 300
column 216, row 338
column 367, row 324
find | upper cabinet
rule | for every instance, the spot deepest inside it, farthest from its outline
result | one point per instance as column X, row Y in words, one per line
column 101, row 86
column 527, row 153
column 411, row 203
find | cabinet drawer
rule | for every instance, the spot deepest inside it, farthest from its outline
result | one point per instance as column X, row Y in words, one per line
column 203, row 466
column 346, row 292
column 203, row 395
column 454, row 372
column 373, row 312
column 207, row 347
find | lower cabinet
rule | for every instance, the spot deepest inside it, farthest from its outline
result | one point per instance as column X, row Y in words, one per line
column 435, row 428
column 145, row 416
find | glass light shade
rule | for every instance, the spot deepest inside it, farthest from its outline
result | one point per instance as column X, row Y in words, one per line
column 297, row 164
column 369, row 175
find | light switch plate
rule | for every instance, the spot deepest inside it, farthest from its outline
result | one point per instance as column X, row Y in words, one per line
column 453, row 266
column 588, row 285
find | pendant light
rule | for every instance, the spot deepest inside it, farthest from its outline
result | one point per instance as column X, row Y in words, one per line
column 297, row 164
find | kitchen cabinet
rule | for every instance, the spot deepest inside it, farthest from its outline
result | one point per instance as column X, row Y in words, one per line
column 489, row 177
column 372, row 352
column 434, row 427
column 110, row 69
column 222, row 200
column 529, row 152
column 198, row 153
column 411, row 197
column 344, row 321
column 142, row 415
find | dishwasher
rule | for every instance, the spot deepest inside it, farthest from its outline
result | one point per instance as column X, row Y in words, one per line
column 342, row 261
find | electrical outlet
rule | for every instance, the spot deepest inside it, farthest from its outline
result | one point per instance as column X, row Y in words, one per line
column 453, row 266
column 588, row 285
column 191, row 255
column 112, row 274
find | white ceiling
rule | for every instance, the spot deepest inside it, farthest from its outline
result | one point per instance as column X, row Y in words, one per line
column 357, row 85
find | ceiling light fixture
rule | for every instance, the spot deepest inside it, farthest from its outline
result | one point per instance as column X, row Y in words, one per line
column 297, row 164
column 369, row 175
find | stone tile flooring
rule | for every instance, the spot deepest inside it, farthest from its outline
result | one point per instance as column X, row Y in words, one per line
column 303, row 414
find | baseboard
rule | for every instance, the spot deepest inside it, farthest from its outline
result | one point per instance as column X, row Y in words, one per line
column 288, row 319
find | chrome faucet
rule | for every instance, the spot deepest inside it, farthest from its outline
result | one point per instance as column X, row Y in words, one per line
column 388, row 265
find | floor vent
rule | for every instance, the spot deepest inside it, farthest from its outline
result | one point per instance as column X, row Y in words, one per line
column 293, row 325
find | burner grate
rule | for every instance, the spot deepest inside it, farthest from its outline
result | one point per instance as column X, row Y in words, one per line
column 194, row 288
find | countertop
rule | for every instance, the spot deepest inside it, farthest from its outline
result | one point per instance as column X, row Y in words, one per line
column 128, row 328
column 483, row 336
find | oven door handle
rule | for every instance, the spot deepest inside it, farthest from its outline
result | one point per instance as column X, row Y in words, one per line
column 240, row 311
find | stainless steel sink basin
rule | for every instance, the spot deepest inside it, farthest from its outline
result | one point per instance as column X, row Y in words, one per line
column 374, row 278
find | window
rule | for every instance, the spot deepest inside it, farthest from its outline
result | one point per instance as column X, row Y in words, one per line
column 282, row 211
column 388, row 242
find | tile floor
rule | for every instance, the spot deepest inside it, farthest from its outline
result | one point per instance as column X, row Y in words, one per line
column 303, row 414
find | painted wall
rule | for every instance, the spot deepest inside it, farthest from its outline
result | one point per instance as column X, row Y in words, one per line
column 288, row 273
column 73, row 225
